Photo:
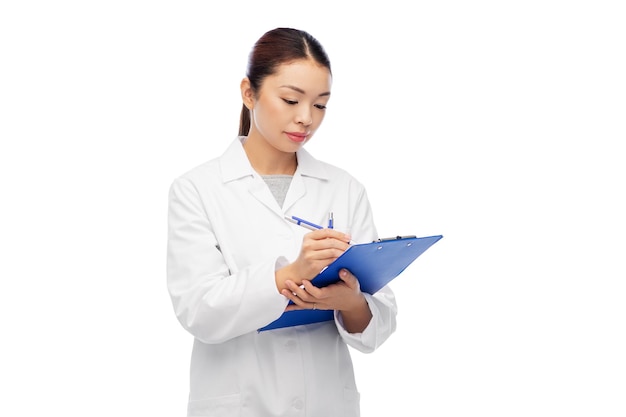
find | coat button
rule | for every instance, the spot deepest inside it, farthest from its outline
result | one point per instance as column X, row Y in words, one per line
column 298, row 404
column 290, row 345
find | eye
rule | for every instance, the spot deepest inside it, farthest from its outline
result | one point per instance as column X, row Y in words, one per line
column 290, row 102
column 320, row 106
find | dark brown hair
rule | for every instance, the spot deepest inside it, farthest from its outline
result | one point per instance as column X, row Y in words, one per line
column 274, row 48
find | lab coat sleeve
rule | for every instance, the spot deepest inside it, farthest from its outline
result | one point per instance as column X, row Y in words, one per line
column 212, row 302
column 382, row 304
column 381, row 326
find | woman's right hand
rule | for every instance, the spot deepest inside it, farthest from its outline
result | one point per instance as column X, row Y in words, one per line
column 319, row 249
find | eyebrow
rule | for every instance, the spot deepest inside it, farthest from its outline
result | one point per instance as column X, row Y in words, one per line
column 301, row 91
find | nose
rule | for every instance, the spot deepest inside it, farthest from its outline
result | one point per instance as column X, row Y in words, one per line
column 304, row 116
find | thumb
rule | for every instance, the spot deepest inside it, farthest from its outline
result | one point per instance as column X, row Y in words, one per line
column 347, row 277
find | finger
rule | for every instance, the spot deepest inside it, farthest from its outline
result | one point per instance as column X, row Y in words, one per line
column 289, row 294
column 324, row 249
column 347, row 277
column 297, row 293
column 312, row 289
column 308, row 306
column 299, row 303
column 327, row 254
column 325, row 244
column 330, row 233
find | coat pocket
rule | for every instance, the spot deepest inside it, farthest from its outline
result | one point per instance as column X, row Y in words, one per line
column 224, row 406
column 351, row 403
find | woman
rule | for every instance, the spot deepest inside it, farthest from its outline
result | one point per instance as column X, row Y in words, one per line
column 235, row 261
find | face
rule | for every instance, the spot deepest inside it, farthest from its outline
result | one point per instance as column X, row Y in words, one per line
column 290, row 105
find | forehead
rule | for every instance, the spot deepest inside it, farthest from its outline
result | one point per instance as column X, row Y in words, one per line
column 307, row 75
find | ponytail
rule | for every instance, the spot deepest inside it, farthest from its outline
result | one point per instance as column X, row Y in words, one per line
column 244, row 121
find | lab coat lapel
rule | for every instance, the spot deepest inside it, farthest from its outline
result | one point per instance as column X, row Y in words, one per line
column 308, row 167
column 235, row 166
column 296, row 191
column 259, row 189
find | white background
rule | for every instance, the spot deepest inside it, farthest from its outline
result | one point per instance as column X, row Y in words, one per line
column 498, row 124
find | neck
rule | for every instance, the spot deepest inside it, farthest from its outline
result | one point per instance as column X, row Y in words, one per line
column 267, row 160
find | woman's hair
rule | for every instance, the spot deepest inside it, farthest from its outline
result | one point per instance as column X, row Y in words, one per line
column 274, row 48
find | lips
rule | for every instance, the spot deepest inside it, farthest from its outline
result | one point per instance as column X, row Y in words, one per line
column 297, row 136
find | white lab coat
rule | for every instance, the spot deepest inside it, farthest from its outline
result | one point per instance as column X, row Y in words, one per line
column 226, row 237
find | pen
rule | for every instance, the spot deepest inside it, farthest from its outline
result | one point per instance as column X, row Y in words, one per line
column 304, row 223
column 312, row 226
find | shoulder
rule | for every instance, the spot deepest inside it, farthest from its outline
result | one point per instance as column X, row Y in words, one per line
column 341, row 174
column 333, row 174
column 202, row 171
column 195, row 179
column 217, row 168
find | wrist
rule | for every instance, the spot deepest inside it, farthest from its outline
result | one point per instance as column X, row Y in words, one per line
column 283, row 274
column 356, row 319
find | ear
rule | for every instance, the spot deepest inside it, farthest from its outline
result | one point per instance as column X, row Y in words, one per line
column 247, row 94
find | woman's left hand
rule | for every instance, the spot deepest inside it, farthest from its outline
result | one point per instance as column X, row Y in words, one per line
column 344, row 295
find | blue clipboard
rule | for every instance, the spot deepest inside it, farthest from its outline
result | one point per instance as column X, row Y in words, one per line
column 374, row 264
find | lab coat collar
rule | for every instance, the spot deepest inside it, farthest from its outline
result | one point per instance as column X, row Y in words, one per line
column 234, row 163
